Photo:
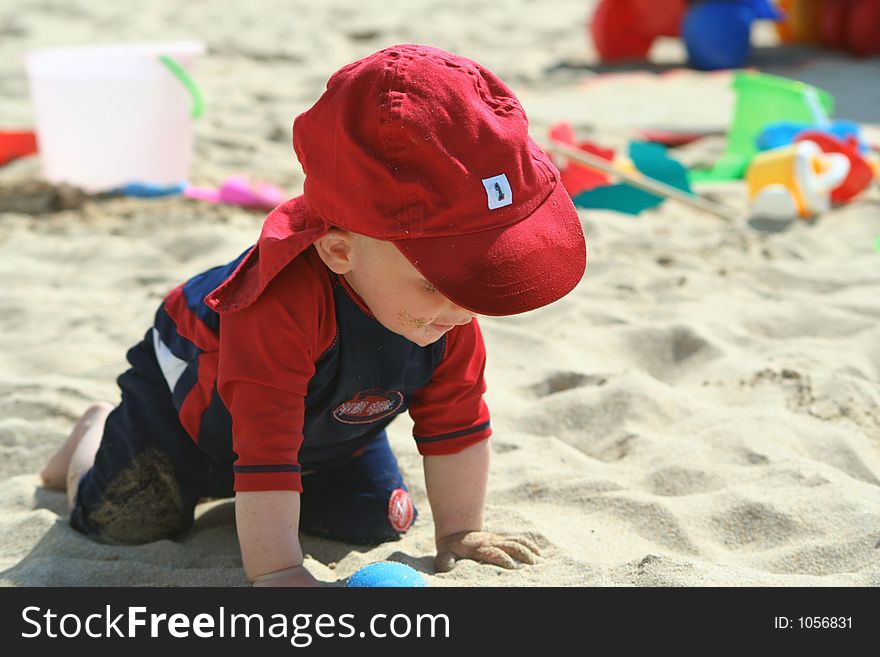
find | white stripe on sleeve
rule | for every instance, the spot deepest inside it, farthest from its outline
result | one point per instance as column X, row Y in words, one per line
column 172, row 366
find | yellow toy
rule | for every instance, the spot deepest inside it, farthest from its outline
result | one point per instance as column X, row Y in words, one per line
column 794, row 181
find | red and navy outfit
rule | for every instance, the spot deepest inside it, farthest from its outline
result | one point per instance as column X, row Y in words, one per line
column 283, row 380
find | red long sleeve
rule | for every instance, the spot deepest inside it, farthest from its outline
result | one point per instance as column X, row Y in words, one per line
column 449, row 413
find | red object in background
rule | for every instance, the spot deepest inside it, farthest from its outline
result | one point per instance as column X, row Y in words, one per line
column 852, row 25
column 16, row 144
column 860, row 172
column 833, row 23
column 612, row 32
column 660, row 17
column 863, row 28
column 577, row 178
column 626, row 29
column 671, row 137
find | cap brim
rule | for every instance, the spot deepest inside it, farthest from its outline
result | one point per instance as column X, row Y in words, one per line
column 508, row 270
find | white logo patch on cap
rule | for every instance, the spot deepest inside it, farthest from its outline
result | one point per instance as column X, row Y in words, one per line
column 498, row 191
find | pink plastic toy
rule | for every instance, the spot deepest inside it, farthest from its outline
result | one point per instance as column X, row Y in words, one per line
column 238, row 190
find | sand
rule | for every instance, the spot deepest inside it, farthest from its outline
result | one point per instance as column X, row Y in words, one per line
column 702, row 410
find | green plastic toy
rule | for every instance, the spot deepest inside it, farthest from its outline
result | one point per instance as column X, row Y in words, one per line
column 763, row 99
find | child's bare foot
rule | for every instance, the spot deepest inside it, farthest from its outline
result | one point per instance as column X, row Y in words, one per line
column 55, row 472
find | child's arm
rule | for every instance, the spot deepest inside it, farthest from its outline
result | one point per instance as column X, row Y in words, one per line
column 268, row 526
column 456, row 486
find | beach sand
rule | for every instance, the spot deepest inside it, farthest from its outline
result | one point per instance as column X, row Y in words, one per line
column 703, row 409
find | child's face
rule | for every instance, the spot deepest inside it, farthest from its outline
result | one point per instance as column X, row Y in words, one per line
column 398, row 295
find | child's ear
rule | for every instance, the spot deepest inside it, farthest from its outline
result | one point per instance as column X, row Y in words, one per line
column 335, row 249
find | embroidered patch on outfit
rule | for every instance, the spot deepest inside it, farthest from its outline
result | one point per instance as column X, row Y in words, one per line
column 400, row 510
column 368, row 406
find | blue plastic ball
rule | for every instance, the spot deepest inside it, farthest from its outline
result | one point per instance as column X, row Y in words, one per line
column 386, row 573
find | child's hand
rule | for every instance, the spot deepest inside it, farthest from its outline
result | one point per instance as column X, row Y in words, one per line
column 486, row 547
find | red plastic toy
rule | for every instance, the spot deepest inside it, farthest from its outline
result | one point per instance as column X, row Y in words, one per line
column 16, row 144
column 626, row 29
column 860, row 172
column 577, row 178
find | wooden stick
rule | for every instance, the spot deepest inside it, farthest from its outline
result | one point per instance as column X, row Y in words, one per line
column 642, row 181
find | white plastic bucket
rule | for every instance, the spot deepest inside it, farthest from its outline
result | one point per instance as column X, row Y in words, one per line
column 114, row 114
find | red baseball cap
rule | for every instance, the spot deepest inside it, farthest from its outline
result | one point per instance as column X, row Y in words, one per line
column 431, row 151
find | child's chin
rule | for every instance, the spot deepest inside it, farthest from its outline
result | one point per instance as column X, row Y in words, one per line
column 424, row 340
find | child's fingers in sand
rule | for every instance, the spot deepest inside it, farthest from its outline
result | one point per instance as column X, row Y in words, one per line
column 519, row 551
column 494, row 555
column 486, row 547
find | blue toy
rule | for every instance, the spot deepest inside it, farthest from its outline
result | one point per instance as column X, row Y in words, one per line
column 782, row 133
column 717, row 33
column 149, row 190
column 386, row 573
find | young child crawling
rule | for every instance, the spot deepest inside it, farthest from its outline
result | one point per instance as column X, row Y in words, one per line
column 274, row 376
